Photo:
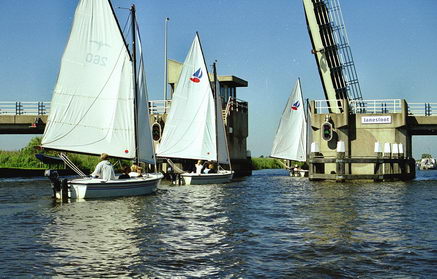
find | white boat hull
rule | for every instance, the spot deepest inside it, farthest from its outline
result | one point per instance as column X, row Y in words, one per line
column 83, row 188
column 299, row 173
column 207, row 178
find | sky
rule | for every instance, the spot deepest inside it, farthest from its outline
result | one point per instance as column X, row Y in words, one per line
column 265, row 42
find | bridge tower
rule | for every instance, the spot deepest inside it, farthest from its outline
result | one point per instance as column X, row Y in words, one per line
column 332, row 51
column 351, row 138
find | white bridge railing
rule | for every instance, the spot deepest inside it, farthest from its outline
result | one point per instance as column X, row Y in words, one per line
column 24, row 108
column 379, row 106
column 376, row 106
column 322, row 106
column 159, row 106
column 422, row 109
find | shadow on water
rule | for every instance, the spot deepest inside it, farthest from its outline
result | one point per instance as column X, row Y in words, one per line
column 267, row 225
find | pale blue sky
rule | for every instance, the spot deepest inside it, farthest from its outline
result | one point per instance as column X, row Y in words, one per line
column 264, row 42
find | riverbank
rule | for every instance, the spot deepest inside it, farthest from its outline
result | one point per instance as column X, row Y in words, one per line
column 20, row 172
column 23, row 163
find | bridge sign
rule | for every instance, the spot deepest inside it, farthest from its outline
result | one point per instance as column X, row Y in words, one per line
column 381, row 119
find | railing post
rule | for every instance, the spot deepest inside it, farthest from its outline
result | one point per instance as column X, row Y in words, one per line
column 18, row 108
column 339, row 162
column 387, row 155
column 378, row 166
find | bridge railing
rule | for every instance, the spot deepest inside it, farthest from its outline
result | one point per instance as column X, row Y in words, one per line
column 159, row 106
column 24, row 108
column 323, row 106
column 422, row 109
column 363, row 106
column 376, row 106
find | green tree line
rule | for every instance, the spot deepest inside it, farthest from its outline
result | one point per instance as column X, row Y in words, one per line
column 25, row 159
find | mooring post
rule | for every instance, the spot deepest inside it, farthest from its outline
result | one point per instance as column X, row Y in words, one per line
column 402, row 167
column 378, row 166
column 313, row 153
column 395, row 155
column 64, row 190
column 339, row 163
column 387, row 155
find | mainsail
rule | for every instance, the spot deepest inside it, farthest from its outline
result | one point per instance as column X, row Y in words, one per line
column 146, row 152
column 190, row 129
column 92, row 108
column 290, row 139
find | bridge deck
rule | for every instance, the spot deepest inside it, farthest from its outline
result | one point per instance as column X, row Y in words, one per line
column 22, row 124
column 30, row 117
column 422, row 125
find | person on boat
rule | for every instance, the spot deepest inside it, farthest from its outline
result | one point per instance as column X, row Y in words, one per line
column 210, row 168
column 296, row 170
column 126, row 171
column 199, row 167
column 104, row 169
column 135, row 171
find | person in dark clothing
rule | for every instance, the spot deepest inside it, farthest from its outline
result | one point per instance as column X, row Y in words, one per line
column 126, row 171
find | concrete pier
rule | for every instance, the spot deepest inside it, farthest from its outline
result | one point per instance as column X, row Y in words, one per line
column 377, row 140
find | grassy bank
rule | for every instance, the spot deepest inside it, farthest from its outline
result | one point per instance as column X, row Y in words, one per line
column 266, row 163
column 270, row 163
column 25, row 158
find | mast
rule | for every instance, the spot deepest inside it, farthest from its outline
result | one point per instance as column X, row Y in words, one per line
column 214, row 68
column 165, row 59
column 135, row 82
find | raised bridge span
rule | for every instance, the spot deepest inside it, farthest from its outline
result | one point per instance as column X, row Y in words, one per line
column 30, row 117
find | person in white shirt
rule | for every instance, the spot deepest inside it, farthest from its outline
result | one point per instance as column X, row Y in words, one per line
column 135, row 171
column 104, row 169
column 199, row 167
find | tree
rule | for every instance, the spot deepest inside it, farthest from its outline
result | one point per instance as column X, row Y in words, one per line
column 425, row 155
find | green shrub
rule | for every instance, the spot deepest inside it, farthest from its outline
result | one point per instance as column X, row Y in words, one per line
column 266, row 163
column 25, row 158
column 270, row 163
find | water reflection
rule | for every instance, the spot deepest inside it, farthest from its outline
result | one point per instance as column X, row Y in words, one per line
column 189, row 232
column 94, row 237
column 269, row 225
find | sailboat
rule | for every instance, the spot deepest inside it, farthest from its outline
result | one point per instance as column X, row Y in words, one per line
column 194, row 128
column 290, row 142
column 99, row 103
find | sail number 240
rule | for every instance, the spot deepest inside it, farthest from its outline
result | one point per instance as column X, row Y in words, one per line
column 96, row 59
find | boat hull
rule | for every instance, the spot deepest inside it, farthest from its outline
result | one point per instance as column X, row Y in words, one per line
column 84, row 188
column 207, row 178
column 299, row 173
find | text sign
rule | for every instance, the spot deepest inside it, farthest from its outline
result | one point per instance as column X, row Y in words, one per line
column 376, row 119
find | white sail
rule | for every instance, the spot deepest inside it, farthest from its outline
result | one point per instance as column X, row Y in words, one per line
column 290, row 139
column 190, row 129
column 92, row 106
column 222, row 141
column 146, row 152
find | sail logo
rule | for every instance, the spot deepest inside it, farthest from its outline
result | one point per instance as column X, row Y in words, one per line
column 100, row 44
column 197, row 76
column 295, row 106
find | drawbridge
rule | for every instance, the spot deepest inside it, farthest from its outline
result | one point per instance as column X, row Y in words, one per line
column 331, row 49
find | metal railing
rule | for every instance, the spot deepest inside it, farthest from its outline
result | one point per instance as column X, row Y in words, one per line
column 159, row 106
column 422, row 109
column 343, row 49
column 323, row 106
column 24, row 108
column 363, row 106
column 376, row 106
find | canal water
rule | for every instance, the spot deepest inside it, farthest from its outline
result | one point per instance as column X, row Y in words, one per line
column 265, row 226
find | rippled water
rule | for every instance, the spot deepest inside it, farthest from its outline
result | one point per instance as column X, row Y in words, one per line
column 266, row 226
